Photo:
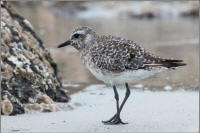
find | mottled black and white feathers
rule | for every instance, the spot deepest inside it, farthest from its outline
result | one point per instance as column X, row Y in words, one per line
column 115, row 59
column 117, row 54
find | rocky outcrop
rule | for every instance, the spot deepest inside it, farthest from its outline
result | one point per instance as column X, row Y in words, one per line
column 27, row 70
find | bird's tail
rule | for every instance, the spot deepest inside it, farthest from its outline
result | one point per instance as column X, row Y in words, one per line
column 168, row 63
column 171, row 63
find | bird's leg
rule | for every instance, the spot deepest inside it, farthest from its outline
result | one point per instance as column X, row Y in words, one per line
column 116, row 118
column 126, row 97
column 117, row 104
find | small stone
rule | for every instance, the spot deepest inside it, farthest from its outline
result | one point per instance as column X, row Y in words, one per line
column 44, row 99
column 33, row 107
column 6, row 75
column 168, row 88
column 54, row 108
column 28, row 106
column 57, row 108
column 70, row 107
column 5, row 36
column 49, row 107
column 3, row 24
column 24, row 37
column 45, row 107
column 36, row 106
column 47, row 99
column 6, row 107
column 35, row 61
column 139, row 86
column 31, row 100
column 16, row 38
column 28, row 24
column 77, row 104
column 30, row 56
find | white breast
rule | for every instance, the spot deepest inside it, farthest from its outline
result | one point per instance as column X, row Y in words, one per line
column 123, row 77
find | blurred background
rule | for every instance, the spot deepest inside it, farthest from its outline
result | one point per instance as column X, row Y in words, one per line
column 167, row 29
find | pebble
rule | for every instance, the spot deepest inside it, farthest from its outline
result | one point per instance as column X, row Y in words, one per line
column 70, row 107
column 6, row 107
column 167, row 88
column 139, row 86
column 47, row 99
column 49, row 107
column 43, row 107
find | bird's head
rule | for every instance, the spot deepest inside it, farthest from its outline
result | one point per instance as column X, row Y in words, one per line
column 80, row 38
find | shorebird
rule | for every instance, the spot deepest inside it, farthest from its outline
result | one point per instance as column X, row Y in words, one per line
column 116, row 61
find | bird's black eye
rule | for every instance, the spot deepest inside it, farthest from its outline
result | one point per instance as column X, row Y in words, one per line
column 76, row 35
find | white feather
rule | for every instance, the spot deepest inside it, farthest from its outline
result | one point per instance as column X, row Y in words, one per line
column 123, row 77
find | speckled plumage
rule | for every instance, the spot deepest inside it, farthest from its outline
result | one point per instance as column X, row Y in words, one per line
column 115, row 54
column 109, row 57
column 116, row 60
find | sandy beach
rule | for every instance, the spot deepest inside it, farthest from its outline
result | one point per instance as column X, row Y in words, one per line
column 145, row 111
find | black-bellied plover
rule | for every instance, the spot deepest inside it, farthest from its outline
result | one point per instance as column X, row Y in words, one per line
column 115, row 61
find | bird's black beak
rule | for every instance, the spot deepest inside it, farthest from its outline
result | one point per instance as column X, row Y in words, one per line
column 65, row 44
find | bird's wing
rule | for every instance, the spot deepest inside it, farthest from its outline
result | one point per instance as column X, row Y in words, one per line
column 118, row 55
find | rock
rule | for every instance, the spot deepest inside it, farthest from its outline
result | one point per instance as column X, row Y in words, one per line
column 32, row 107
column 27, row 67
column 42, row 107
column 49, row 107
column 44, row 98
column 70, row 107
column 36, row 106
column 6, row 107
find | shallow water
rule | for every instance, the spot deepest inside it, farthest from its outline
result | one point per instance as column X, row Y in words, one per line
column 168, row 38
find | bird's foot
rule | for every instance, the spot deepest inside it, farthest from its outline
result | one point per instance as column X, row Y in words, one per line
column 114, row 120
